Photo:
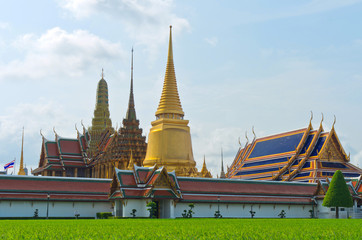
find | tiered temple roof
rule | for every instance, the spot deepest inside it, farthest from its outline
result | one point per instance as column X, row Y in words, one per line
column 115, row 149
column 64, row 156
column 156, row 183
column 304, row 155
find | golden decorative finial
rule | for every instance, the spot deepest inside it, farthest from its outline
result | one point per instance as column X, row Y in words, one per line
column 246, row 136
column 322, row 119
column 54, row 131
column 239, row 141
column 254, row 133
column 41, row 134
column 131, row 162
column 21, row 168
column 311, row 117
column 102, row 73
column 170, row 101
column 334, row 122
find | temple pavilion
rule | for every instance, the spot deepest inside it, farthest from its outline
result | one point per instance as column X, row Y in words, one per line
column 303, row 155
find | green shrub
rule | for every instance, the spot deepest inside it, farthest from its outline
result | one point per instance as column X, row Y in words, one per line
column 104, row 215
column 152, row 208
column 188, row 213
column 282, row 214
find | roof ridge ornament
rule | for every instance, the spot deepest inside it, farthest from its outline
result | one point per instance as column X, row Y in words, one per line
column 322, row 120
column 253, row 133
column 246, row 136
column 334, row 122
column 311, row 117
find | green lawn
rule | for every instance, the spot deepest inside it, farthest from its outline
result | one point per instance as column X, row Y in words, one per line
column 182, row 229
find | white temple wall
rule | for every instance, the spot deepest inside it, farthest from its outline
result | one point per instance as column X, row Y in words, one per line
column 139, row 204
column 327, row 212
column 234, row 210
column 56, row 208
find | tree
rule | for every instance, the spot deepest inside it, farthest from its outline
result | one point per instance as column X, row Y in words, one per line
column 338, row 194
column 152, row 208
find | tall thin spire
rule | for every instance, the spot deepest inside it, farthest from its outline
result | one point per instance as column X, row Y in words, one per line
column 131, row 112
column 21, row 168
column 222, row 173
column 170, row 101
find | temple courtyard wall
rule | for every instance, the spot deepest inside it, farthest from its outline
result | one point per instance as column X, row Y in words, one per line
column 20, row 209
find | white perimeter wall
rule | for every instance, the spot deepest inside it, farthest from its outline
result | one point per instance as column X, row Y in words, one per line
column 243, row 210
column 56, row 209
column 139, row 204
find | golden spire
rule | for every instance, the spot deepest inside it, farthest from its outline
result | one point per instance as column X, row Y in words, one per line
column 21, row 168
column 170, row 100
column 131, row 162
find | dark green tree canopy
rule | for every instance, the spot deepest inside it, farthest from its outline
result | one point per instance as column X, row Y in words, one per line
column 338, row 194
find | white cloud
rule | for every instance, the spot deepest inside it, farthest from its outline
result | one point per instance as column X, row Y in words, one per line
column 58, row 53
column 146, row 21
column 212, row 41
column 33, row 116
column 4, row 25
column 311, row 7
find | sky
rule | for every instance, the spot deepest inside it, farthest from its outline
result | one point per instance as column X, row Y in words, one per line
column 239, row 64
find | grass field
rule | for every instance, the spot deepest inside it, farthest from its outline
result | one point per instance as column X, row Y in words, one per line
column 182, row 229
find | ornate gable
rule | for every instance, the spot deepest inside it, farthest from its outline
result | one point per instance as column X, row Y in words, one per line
column 333, row 150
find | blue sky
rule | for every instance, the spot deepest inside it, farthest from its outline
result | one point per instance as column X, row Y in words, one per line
column 238, row 64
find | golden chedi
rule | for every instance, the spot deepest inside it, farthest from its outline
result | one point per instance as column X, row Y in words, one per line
column 169, row 140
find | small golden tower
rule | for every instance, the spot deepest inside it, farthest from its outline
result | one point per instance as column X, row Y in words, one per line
column 101, row 121
column 21, row 168
column 169, row 140
column 204, row 172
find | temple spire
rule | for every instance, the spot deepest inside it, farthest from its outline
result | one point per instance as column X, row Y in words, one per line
column 21, row 168
column 131, row 112
column 170, row 105
column 222, row 173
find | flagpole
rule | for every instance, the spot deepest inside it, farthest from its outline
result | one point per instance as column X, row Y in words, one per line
column 14, row 165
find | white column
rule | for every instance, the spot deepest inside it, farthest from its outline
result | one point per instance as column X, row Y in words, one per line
column 172, row 209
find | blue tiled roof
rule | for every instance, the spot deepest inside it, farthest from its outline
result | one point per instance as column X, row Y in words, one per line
column 333, row 165
column 256, row 171
column 259, row 163
column 306, row 165
column 276, row 145
column 318, row 146
column 305, row 174
column 307, row 143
